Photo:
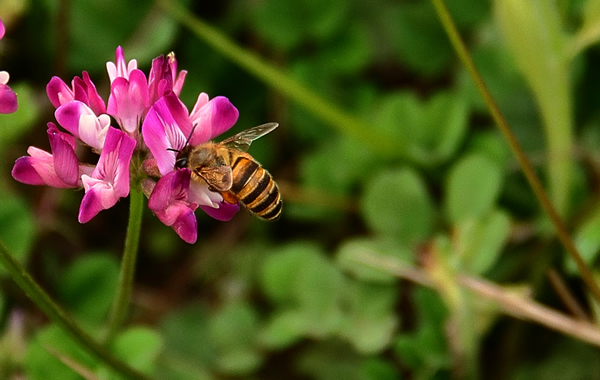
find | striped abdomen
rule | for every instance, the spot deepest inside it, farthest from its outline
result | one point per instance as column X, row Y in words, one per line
column 254, row 187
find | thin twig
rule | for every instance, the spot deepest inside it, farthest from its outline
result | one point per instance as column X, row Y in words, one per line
column 517, row 306
column 565, row 295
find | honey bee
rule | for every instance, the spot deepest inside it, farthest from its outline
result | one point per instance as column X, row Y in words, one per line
column 229, row 170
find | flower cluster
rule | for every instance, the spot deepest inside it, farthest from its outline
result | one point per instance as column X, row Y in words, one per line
column 152, row 125
column 8, row 98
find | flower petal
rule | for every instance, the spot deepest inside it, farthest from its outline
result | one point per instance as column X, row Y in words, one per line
column 225, row 212
column 58, row 92
column 24, row 171
column 110, row 179
column 113, row 165
column 8, row 99
column 99, row 196
column 161, row 133
column 82, row 122
column 2, row 29
column 120, row 68
column 211, row 119
column 186, row 226
column 65, row 160
column 129, row 100
column 169, row 202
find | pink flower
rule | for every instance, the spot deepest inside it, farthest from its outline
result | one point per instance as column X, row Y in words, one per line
column 135, row 101
column 170, row 203
column 59, row 169
column 164, row 77
column 77, row 118
column 82, row 90
column 165, row 130
column 129, row 100
column 110, row 179
column 8, row 98
column 120, row 69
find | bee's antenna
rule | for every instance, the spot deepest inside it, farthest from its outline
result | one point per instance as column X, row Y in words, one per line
column 186, row 141
column 190, row 136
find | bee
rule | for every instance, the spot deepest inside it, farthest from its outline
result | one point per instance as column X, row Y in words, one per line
column 236, row 175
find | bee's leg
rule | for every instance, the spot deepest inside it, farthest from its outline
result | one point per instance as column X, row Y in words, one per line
column 229, row 197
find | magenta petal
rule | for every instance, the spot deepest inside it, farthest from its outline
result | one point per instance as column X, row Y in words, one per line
column 179, row 112
column 58, row 92
column 113, row 165
column 2, row 29
column 24, row 172
column 169, row 202
column 65, row 160
column 95, row 102
column 128, row 100
column 91, row 205
column 212, row 119
column 8, row 99
column 170, row 188
column 68, row 116
column 186, row 226
column 161, row 133
column 225, row 212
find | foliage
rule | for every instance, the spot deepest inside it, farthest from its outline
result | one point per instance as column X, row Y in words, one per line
column 385, row 151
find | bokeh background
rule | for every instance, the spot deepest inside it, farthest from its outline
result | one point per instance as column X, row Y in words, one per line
column 434, row 188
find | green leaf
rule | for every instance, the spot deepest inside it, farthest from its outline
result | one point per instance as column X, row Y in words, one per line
column 139, row 347
column 589, row 32
column 420, row 40
column 88, row 286
column 282, row 267
column 587, row 241
column 370, row 320
column 478, row 243
column 17, row 227
column 396, row 205
column 536, row 38
column 427, row 132
column 183, row 330
column 426, row 349
column 472, row 187
column 379, row 369
column 286, row 24
column 41, row 364
column 352, row 252
column 233, row 331
column 284, row 329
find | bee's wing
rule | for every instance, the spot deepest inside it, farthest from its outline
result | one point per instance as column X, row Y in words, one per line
column 242, row 140
column 219, row 178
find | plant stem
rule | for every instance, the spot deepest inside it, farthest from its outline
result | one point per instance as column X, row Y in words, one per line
column 60, row 317
column 524, row 162
column 317, row 105
column 123, row 295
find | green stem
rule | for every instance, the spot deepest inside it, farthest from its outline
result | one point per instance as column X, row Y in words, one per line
column 59, row 317
column 534, row 182
column 281, row 82
column 123, row 294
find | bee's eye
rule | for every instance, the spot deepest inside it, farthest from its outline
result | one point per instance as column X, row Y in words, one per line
column 181, row 162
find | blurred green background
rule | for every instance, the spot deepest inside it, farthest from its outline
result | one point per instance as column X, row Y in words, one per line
column 292, row 299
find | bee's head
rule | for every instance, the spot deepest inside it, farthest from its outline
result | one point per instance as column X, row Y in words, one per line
column 181, row 161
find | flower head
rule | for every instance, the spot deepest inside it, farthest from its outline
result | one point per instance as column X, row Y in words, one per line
column 152, row 124
column 8, row 98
